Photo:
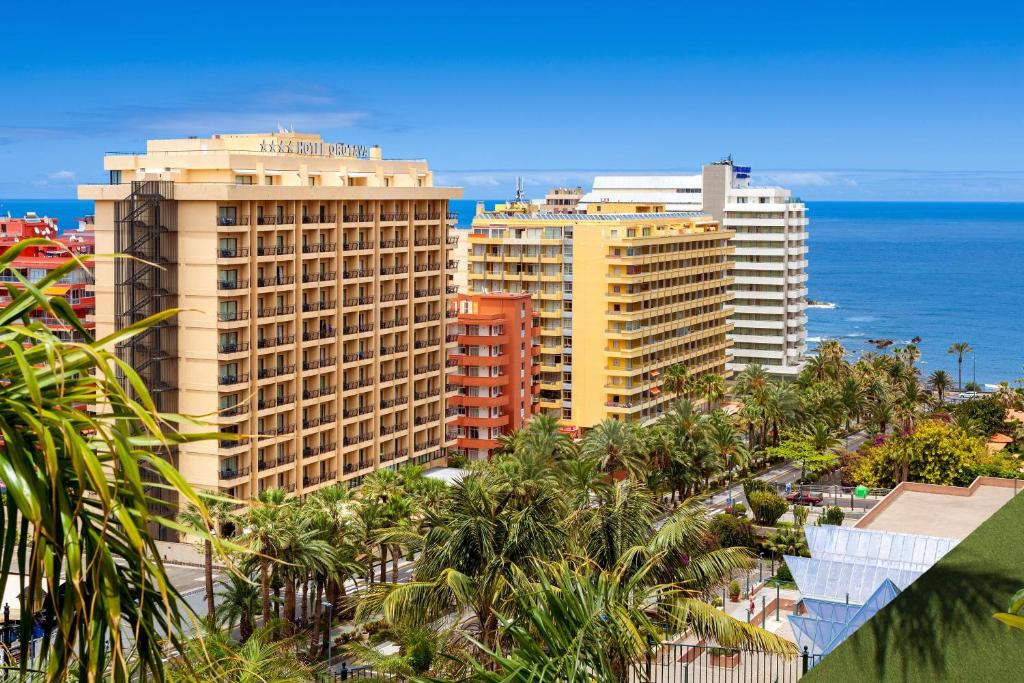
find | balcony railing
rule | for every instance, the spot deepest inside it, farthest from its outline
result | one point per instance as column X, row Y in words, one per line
column 275, row 310
column 282, row 400
column 356, row 218
column 357, row 245
column 275, row 281
column 420, row 293
column 322, row 247
column 357, row 273
column 241, row 252
column 357, row 301
column 394, row 244
column 357, row 384
column 394, row 216
column 232, row 284
column 233, row 347
column 357, row 356
column 270, row 342
column 235, row 473
column 238, row 378
column 394, row 296
column 319, row 363
column 276, row 250
column 228, row 221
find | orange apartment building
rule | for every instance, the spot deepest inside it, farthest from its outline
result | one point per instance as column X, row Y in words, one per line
column 35, row 262
column 494, row 369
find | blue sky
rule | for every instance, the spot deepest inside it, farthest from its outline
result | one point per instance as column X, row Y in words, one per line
column 867, row 100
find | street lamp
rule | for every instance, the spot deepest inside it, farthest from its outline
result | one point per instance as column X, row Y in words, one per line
column 327, row 632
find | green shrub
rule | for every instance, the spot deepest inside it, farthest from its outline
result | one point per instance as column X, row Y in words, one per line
column 732, row 532
column 783, row 573
column 767, row 507
column 734, row 591
column 831, row 515
column 800, row 515
column 737, row 510
column 753, row 485
column 716, row 601
column 456, row 459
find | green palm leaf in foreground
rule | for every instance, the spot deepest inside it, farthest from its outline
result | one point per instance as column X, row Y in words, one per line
column 75, row 522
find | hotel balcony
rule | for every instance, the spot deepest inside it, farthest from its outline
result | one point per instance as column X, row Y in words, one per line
column 479, row 381
column 224, row 254
column 487, row 422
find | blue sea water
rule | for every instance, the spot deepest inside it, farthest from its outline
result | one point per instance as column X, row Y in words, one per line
column 941, row 271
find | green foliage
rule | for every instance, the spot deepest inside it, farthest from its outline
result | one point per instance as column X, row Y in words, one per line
column 986, row 411
column 1014, row 614
column 737, row 509
column 782, row 573
column 935, row 453
column 734, row 590
column 79, row 515
column 800, row 449
column 788, row 542
column 732, row 532
column 456, row 459
column 800, row 513
column 832, row 515
column 767, row 507
column 751, row 485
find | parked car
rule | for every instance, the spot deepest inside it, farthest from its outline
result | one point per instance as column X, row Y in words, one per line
column 805, row 498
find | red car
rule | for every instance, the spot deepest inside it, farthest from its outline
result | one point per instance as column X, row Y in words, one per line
column 805, row 498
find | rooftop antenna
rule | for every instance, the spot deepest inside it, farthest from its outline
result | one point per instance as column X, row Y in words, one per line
column 519, row 189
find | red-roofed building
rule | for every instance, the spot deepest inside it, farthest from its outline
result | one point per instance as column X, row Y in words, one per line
column 495, row 369
column 36, row 261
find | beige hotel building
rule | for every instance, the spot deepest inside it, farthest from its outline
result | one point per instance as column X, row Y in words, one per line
column 311, row 279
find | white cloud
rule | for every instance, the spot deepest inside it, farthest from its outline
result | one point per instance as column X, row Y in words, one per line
column 62, row 176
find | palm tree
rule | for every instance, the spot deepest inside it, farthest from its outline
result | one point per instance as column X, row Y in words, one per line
column 265, row 656
column 219, row 513
column 265, row 535
column 959, row 348
column 494, row 524
column 677, row 380
column 723, row 438
column 853, row 399
column 239, row 603
column 77, row 516
column 616, row 445
column 418, row 648
column 712, row 388
column 788, row 542
column 940, row 383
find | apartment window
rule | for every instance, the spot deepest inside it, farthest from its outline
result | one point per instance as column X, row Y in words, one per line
column 268, row 180
column 244, row 180
column 227, row 215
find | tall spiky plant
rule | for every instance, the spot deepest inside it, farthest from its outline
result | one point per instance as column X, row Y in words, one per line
column 76, row 518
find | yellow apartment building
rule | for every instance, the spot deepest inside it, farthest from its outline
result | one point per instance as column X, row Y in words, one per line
column 311, row 279
column 621, row 297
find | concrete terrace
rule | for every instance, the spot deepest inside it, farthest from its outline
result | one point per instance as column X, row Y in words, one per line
column 944, row 511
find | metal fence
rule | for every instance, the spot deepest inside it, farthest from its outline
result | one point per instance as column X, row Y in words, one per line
column 681, row 663
column 355, row 673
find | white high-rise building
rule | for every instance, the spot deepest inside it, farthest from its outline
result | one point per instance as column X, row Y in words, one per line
column 771, row 253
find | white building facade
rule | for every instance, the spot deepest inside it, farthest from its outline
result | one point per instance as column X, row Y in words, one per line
column 770, row 319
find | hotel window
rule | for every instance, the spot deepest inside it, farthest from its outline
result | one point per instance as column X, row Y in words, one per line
column 227, row 215
column 244, row 180
column 268, row 180
column 314, row 180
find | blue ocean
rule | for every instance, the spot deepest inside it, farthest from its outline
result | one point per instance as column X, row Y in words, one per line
column 941, row 271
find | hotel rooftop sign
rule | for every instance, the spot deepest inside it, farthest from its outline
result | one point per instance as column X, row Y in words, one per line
column 310, row 148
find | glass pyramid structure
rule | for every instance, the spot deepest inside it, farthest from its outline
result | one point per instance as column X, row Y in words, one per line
column 850, row 575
